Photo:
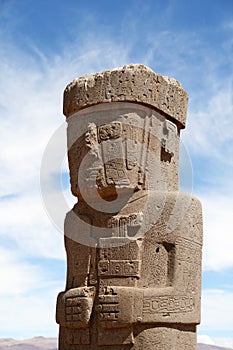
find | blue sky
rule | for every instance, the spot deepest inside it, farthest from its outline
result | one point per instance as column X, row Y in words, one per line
column 46, row 44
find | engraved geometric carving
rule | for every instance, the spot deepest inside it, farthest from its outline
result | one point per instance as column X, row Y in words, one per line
column 131, row 282
column 168, row 304
column 74, row 307
column 119, row 268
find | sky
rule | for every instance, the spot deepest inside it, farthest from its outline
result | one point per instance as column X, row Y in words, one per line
column 46, row 44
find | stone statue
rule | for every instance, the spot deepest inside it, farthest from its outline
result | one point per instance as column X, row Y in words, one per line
column 133, row 242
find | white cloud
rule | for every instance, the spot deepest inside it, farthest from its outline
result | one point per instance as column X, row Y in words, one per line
column 24, row 221
column 31, row 99
column 209, row 140
column 31, row 108
column 224, row 342
column 205, row 339
column 217, row 311
column 17, row 276
column 31, row 315
column 28, row 296
column 218, row 223
column 217, row 317
column 31, row 104
column 209, row 127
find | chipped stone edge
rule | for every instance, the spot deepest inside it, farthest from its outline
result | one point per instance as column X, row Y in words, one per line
column 131, row 83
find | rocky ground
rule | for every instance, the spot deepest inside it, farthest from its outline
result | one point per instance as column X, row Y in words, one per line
column 41, row 343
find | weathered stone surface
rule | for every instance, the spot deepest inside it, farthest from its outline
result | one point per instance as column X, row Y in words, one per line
column 132, row 83
column 147, row 141
column 133, row 242
column 41, row 343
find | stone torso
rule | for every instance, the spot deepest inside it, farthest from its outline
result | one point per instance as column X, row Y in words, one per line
column 133, row 242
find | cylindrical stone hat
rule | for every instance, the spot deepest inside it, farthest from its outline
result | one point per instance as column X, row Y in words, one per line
column 131, row 83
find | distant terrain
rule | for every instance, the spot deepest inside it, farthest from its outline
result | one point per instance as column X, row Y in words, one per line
column 41, row 343
column 211, row 347
column 37, row 343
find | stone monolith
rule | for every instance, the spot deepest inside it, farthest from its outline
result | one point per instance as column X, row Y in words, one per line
column 133, row 241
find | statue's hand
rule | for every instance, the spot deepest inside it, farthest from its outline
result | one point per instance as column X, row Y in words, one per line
column 74, row 307
column 120, row 306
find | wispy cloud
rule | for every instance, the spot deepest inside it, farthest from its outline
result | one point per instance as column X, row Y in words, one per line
column 223, row 342
column 32, row 314
column 27, row 296
column 218, row 223
column 31, row 85
column 210, row 126
column 31, row 110
column 216, row 305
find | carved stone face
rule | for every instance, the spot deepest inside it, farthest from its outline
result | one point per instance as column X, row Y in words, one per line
column 133, row 242
column 122, row 148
